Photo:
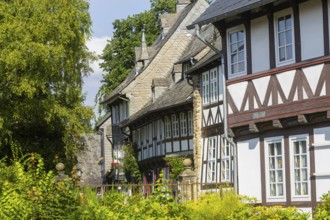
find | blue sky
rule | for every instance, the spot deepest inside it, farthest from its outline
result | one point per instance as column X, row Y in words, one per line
column 103, row 13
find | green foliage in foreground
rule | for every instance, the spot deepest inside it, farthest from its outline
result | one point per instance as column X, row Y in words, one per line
column 323, row 210
column 27, row 191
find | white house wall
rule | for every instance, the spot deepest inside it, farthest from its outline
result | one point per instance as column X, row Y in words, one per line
column 311, row 29
column 248, row 157
column 322, row 164
column 260, row 44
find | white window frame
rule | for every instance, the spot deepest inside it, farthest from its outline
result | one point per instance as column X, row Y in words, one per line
column 175, row 125
column 183, row 124
column 292, row 140
column 214, row 92
column 231, row 31
column 225, row 162
column 168, row 132
column 277, row 16
column 190, row 123
column 206, row 87
column 211, row 160
column 267, row 142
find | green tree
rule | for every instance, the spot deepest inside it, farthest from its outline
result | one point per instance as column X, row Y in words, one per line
column 43, row 58
column 118, row 55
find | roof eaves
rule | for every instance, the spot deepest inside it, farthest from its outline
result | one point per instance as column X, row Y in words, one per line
column 228, row 14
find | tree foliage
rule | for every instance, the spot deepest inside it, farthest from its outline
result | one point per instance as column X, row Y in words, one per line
column 42, row 60
column 118, row 55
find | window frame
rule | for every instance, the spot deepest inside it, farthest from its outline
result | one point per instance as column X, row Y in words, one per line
column 267, row 142
column 175, row 125
column 168, row 127
column 225, row 159
column 190, row 119
column 277, row 16
column 183, row 124
column 211, row 160
column 230, row 31
column 292, row 140
column 214, row 82
column 206, row 87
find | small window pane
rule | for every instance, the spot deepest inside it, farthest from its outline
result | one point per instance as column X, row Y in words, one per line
column 289, row 52
column 281, row 24
column 240, row 36
column 281, row 39
column 288, row 22
column 282, row 54
column 241, row 67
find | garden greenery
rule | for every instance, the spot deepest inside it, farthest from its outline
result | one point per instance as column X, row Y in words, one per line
column 27, row 191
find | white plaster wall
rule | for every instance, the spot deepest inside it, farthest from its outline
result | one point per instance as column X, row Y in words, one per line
column 260, row 44
column 176, row 146
column 311, row 29
column 168, row 146
column 322, row 164
column 191, row 144
column 184, row 145
column 249, row 176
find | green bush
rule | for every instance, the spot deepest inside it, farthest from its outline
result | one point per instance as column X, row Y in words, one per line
column 323, row 209
column 29, row 192
column 216, row 206
column 278, row 213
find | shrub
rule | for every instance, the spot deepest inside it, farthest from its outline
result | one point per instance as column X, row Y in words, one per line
column 323, row 209
column 216, row 206
column 29, row 192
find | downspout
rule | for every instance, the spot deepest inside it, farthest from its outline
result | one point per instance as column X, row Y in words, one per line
column 225, row 120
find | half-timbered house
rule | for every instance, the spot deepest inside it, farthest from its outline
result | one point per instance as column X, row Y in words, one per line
column 146, row 82
column 275, row 58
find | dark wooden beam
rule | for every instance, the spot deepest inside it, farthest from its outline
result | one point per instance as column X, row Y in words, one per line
column 328, row 114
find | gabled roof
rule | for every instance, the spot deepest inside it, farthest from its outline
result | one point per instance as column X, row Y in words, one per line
column 157, row 45
column 177, row 95
column 104, row 119
column 221, row 9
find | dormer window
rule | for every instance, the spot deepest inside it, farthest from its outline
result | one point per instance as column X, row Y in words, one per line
column 236, row 52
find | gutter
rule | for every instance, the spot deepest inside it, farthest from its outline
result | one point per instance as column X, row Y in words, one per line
column 225, row 120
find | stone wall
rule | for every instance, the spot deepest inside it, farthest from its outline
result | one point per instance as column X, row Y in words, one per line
column 88, row 160
column 197, row 115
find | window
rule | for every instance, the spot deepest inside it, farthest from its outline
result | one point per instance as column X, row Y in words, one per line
column 190, row 123
column 275, row 168
column 175, row 126
column 299, row 166
column 211, row 160
column 284, row 38
column 236, row 52
column 225, row 162
column 213, row 85
column 167, row 127
column 205, row 78
column 210, row 90
column 183, row 124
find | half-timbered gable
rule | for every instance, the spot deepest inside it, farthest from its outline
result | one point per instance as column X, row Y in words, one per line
column 276, row 63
